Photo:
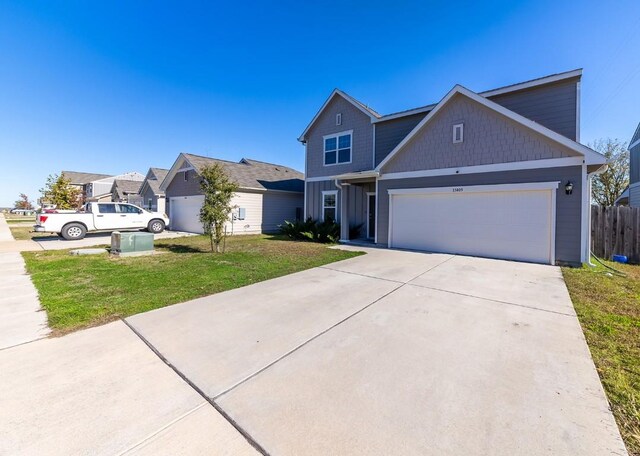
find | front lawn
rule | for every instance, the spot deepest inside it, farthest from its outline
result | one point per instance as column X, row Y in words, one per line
column 80, row 291
column 26, row 233
column 608, row 307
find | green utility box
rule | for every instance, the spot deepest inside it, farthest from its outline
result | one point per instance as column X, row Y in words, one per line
column 131, row 243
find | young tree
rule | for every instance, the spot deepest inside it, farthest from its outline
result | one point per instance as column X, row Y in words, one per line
column 608, row 186
column 60, row 192
column 218, row 191
column 23, row 202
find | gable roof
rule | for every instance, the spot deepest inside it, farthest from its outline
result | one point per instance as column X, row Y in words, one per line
column 247, row 173
column 81, row 178
column 154, row 178
column 125, row 187
column 590, row 156
column 375, row 117
column 635, row 140
column 337, row 92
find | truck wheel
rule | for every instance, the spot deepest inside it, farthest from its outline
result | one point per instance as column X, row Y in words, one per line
column 73, row 231
column 155, row 226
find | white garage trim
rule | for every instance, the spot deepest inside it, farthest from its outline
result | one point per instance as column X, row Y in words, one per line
column 551, row 187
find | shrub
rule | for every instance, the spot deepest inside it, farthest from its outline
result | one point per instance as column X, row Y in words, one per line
column 327, row 232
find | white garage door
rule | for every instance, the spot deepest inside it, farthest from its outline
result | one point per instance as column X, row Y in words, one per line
column 514, row 222
column 185, row 212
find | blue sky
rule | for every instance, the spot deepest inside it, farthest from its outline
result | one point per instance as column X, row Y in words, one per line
column 113, row 87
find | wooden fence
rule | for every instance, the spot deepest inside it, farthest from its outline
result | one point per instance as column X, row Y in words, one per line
column 615, row 230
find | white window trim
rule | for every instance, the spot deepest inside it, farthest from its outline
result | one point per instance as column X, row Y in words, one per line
column 330, row 192
column 460, row 127
column 339, row 118
column 336, row 135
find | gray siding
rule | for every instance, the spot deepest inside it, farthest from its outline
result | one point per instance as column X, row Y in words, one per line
column 568, row 207
column 146, row 196
column 489, row 138
column 390, row 133
column 634, row 165
column 634, row 196
column 313, row 197
column 551, row 105
column 362, row 139
column 278, row 207
column 179, row 187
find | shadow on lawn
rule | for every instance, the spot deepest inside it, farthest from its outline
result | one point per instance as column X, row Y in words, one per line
column 181, row 248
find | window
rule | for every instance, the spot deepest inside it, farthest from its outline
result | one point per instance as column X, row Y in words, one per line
column 329, row 205
column 107, row 208
column 337, row 148
column 127, row 209
column 242, row 213
column 186, row 176
column 458, row 133
column 150, row 203
column 339, row 118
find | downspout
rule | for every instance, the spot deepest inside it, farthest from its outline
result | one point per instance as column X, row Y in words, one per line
column 589, row 177
column 344, row 222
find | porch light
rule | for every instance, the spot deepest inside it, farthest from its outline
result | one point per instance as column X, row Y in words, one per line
column 568, row 188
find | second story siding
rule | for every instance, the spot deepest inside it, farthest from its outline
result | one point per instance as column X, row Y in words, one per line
column 361, row 142
column 391, row 132
column 551, row 105
column 634, row 165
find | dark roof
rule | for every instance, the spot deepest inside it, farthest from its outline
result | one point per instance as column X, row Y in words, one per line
column 125, row 187
column 159, row 173
column 636, row 135
column 248, row 173
column 80, row 178
column 156, row 176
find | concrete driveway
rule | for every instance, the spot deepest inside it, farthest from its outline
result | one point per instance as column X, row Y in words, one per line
column 389, row 353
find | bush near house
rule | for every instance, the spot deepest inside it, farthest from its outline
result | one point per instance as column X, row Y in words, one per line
column 327, row 232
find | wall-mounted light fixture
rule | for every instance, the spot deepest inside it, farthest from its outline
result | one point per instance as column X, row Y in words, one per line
column 568, row 188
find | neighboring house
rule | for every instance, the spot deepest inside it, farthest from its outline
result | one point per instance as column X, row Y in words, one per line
column 496, row 174
column 634, row 169
column 127, row 191
column 152, row 195
column 623, row 199
column 84, row 181
column 268, row 194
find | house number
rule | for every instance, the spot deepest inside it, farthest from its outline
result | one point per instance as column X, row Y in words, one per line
column 457, row 189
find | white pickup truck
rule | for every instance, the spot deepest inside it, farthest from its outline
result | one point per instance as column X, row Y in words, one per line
column 100, row 217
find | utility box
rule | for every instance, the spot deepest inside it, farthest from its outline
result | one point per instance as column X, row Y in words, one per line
column 131, row 243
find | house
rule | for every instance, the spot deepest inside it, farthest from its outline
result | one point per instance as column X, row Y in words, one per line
column 97, row 187
column 497, row 174
column 623, row 199
column 124, row 190
column 152, row 195
column 634, row 169
column 268, row 194
column 83, row 181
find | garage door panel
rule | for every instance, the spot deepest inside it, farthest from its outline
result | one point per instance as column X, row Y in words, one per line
column 503, row 224
column 185, row 213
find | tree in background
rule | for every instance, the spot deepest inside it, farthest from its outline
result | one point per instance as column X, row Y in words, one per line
column 218, row 190
column 23, row 202
column 60, row 192
column 609, row 185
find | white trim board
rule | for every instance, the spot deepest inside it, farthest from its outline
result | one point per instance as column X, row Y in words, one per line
column 591, row 156
column 531, row 186
column 302, row 138
column 493, row 168
column 634, row 144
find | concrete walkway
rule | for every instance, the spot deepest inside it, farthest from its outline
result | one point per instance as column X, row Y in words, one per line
column 389, row 353
column 21, row 317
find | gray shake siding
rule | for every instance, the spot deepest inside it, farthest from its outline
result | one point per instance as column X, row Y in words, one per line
column 389, row 133
column 489, row 138
column 149, row 195
column 362, row 139
column 551, row 105
column 568, row 207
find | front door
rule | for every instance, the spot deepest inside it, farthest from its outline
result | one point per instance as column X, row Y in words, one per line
column 371, row 215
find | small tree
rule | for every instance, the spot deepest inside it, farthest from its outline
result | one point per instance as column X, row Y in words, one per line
column 59, row 191
column 218, row 191
column 23, row 202
column 609, row 185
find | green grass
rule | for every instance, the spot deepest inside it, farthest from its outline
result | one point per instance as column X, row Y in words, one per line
column 81, row 291
column 608, row 308
column 23, row 233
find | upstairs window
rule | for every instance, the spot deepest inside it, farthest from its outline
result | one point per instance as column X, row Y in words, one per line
column 337, row 149
column 458, row 133
column 339, row 118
